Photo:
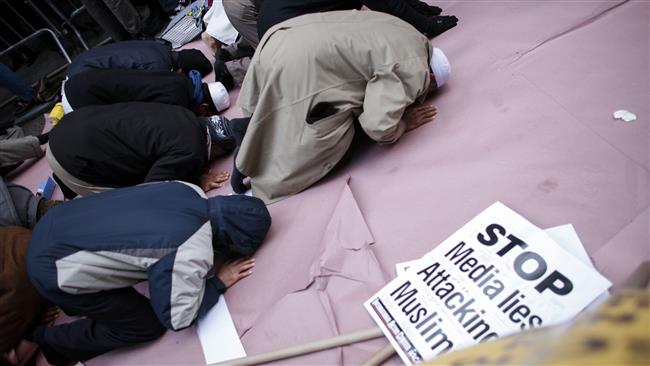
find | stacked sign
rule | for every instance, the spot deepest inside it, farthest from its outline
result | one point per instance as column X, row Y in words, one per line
column 497, row 275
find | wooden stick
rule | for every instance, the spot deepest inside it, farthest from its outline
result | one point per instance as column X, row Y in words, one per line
column 380, row 357
column 320, row 345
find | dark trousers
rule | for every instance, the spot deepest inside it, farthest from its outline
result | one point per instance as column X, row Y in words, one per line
column 19, row 87
column 113, row 319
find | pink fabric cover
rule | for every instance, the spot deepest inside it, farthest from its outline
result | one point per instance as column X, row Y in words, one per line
column 526, row 119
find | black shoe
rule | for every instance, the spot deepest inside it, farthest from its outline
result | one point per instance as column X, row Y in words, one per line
column 47, row 90
column 51, row 356
column 222, row 55
column 222, row 75
column 440, row 24
column 22, row 106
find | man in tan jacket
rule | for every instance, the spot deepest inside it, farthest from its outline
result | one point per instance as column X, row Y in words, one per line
column 312, row 77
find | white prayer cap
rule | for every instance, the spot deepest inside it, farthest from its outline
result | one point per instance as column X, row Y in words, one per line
column 219, row 96
column 440, row 66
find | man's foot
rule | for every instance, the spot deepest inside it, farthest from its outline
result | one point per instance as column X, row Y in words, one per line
column 24, row 106
column 222, row 75
column 47, row 90
column 51, row 356
column 211, row 42
column 238, row 128
column 440, row 24
column 44, row 206
column 49, row 315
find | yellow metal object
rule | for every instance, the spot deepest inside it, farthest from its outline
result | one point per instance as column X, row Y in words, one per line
column 616, row 334
column 56, row 113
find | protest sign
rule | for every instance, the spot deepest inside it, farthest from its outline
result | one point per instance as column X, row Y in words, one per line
column 497, row 275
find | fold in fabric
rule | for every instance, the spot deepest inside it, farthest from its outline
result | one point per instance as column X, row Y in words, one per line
column 342, row 277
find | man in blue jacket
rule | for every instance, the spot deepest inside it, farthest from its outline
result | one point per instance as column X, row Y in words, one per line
column 85, row 255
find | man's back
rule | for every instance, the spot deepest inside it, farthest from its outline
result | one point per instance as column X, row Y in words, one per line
column 109, row 240
column 310, row 79
column 342, row 49
column 138, row 55
column 414, row 12
column 272, row 12
column 110, row 86
column 130, row 143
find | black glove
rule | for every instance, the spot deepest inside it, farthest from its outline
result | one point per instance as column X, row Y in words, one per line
column 222, row 75
column 424, row 8
column 440, row 24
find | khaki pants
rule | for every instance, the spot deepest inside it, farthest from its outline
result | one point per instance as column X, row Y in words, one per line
column 76, row 185
column 243, row 16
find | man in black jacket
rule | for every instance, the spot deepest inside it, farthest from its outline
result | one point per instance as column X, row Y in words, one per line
column 425, row 18
column 98, row 148
column 267, row 13
column 101, row 87
column 140, row 55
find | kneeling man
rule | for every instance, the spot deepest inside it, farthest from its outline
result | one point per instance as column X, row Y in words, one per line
column 304, row 93
column 86, row 254
column 110, row 86
column 140, row 55
column 98, row 148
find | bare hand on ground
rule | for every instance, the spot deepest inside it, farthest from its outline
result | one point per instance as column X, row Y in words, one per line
column 231, row 272
column 417, row 115
column 211, row 180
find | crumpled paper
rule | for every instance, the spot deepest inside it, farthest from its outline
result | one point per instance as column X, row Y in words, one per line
column 624, row 115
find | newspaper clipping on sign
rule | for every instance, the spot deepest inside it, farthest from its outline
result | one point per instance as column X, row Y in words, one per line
column 497, row 275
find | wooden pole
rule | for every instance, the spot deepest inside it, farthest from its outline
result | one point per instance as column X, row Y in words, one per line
column 380, row 357
column 320, row 345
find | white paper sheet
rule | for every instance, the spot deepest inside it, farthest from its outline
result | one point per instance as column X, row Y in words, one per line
column 218, row 336
column 567, row 237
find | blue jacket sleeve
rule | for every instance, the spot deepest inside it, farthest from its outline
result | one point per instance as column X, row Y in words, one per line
column 213, row 290
column 178, row 288
column 160, row 289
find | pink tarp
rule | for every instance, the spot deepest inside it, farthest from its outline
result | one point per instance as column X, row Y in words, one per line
column 526, row 119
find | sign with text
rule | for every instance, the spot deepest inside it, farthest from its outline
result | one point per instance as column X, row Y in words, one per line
column 497, row 275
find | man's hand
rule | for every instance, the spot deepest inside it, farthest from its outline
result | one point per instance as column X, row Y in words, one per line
column 211, row 180
column 417, row 115
column 231, row 272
